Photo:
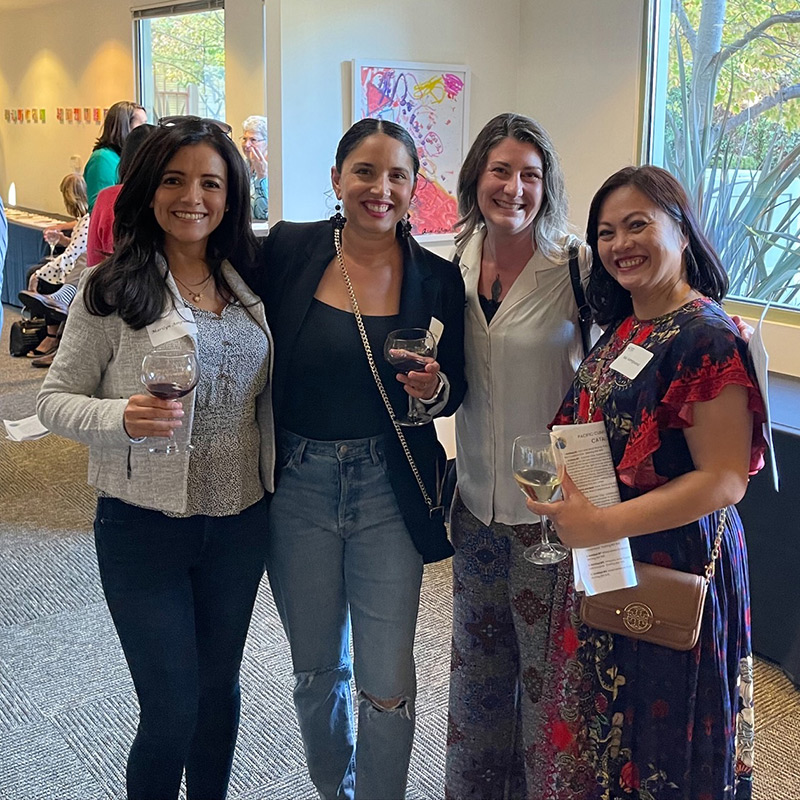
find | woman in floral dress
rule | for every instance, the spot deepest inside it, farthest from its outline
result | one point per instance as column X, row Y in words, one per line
column 629, row 719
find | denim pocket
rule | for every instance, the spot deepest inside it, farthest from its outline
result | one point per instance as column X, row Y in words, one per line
column 111, row 510
column 290, row 451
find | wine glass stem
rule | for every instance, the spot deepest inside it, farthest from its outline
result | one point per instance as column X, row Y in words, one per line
column 545, row 537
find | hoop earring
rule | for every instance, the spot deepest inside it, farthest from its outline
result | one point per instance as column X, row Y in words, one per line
column 338, row 220
column 405, row 226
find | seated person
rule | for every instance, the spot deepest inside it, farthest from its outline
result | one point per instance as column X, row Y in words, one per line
column 60, row 273
column 254, row 145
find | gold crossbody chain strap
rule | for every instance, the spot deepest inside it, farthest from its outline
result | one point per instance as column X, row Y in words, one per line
column 711, row 566
column 337, row 234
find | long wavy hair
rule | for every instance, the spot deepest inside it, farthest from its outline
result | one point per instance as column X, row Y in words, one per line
column 704, row 270
column 117, row 126
column 550, row 223
column 130, row 282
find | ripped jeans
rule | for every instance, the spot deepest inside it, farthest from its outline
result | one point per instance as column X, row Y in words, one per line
column 340, row 555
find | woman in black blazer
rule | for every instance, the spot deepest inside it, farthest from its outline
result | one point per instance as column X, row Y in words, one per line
column 349, row 526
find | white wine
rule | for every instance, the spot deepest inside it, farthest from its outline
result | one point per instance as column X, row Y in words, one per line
column 538, row 484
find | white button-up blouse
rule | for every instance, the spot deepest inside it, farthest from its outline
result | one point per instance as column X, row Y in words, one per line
column 518, row 368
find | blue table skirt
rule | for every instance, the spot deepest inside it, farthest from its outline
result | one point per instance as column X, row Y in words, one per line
column 26, row 247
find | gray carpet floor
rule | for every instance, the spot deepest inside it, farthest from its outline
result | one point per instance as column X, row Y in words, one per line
column 67, row 707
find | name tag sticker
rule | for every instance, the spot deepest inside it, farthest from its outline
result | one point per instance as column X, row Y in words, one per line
column 631, row 361
column 436, row 328
column 174, row 324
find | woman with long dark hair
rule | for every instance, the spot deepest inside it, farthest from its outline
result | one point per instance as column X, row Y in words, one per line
column 101, row 168
column 180, row 538
column 629, row 718
column 350, row 526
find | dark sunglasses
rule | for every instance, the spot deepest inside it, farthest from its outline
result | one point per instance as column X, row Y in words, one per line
column 169, row 122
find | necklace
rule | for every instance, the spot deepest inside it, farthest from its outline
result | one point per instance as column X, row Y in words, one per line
column 195, row 296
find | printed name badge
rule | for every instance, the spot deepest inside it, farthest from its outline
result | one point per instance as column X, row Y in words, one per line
column 631, row 361
column 436, row 328
column 174, row 324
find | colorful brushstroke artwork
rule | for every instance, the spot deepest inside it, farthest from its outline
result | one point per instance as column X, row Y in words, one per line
column 431, row 101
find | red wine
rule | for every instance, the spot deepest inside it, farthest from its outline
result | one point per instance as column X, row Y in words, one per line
column 407, row 364
column 167, row 391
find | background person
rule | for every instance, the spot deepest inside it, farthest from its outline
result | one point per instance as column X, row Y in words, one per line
column 254, row 144
column 52, row 286
column 522, row 346
column 629, row 718
column 180, row 539
column 101, row 168
column 349, row 529
column 3, row 249
column 101, row 226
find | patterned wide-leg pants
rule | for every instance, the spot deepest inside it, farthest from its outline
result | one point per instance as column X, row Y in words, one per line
column 502, row 607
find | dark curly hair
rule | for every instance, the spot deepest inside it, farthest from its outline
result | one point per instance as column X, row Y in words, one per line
column 704, row 270
column 130, row 282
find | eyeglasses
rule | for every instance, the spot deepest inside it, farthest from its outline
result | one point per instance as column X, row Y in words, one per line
column 244, row 139
column 169, row 122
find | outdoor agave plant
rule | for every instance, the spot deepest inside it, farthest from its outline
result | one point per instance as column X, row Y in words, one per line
column 745, row 208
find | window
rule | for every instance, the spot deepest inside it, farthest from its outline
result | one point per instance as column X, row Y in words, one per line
column 181, row 59
column 724, row 118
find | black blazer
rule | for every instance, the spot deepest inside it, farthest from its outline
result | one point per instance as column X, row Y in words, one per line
column 293, row 258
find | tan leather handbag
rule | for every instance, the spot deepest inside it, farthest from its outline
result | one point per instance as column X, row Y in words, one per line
column 664, row 608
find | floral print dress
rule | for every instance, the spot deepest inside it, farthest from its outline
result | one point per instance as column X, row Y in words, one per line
column 628, row 719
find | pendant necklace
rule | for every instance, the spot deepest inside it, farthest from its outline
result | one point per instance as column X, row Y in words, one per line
column 194, row 295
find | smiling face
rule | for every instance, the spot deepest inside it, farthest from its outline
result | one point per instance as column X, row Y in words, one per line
column 640, row 245
column 376, row 185
column 190, row 200
column 510, row 188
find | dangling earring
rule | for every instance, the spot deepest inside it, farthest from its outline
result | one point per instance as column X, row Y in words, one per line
column 405, row 226
column 337, row 219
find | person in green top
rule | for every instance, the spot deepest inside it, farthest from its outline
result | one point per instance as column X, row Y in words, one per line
column 101, row 168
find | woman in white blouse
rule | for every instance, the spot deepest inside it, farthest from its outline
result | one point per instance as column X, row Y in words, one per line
column 523, row 345
column 52, row 286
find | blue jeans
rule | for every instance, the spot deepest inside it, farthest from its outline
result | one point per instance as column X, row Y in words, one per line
column 181, row 592
column 339, row 554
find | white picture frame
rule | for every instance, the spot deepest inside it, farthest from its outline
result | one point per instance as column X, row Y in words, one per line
column 431, row 101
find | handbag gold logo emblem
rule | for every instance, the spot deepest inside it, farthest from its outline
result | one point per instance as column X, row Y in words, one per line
column 637, row 617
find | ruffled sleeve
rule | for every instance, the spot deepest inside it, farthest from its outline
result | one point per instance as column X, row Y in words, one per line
column 704, row 358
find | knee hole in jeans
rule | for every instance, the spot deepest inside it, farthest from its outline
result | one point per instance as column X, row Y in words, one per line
column 394, row 705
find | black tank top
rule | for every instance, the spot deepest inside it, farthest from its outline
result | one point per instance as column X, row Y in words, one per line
column 331, row 394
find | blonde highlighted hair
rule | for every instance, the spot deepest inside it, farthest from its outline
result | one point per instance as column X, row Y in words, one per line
column 73, row 190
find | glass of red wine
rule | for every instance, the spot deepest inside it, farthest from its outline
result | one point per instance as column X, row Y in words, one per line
column 409, row 350
column 170, row 376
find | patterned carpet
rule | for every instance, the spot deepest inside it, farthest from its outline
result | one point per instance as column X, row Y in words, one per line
column 67, row 709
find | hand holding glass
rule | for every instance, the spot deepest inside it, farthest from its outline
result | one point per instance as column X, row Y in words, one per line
column 539, row 470
column 170, row 376
column 409, row 350
column 51, row 236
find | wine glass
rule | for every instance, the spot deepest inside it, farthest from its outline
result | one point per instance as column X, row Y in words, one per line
column 539, row 469
column 51, row 236
column 409, row 350
column 170, row 376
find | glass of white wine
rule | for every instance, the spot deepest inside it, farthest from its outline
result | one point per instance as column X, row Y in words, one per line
column 539, row 469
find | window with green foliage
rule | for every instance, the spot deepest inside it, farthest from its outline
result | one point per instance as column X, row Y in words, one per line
column 181, row 59
column 725, row 119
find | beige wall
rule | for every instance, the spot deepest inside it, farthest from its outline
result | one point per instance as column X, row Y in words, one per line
column 539, row 57
column 579, row 75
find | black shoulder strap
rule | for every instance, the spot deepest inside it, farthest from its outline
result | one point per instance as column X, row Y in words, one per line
column 584, row 310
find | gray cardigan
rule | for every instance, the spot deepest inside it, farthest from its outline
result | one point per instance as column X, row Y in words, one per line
column 96, row 369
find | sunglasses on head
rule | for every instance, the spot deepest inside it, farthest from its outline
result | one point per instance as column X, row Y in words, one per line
column 169, row 122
